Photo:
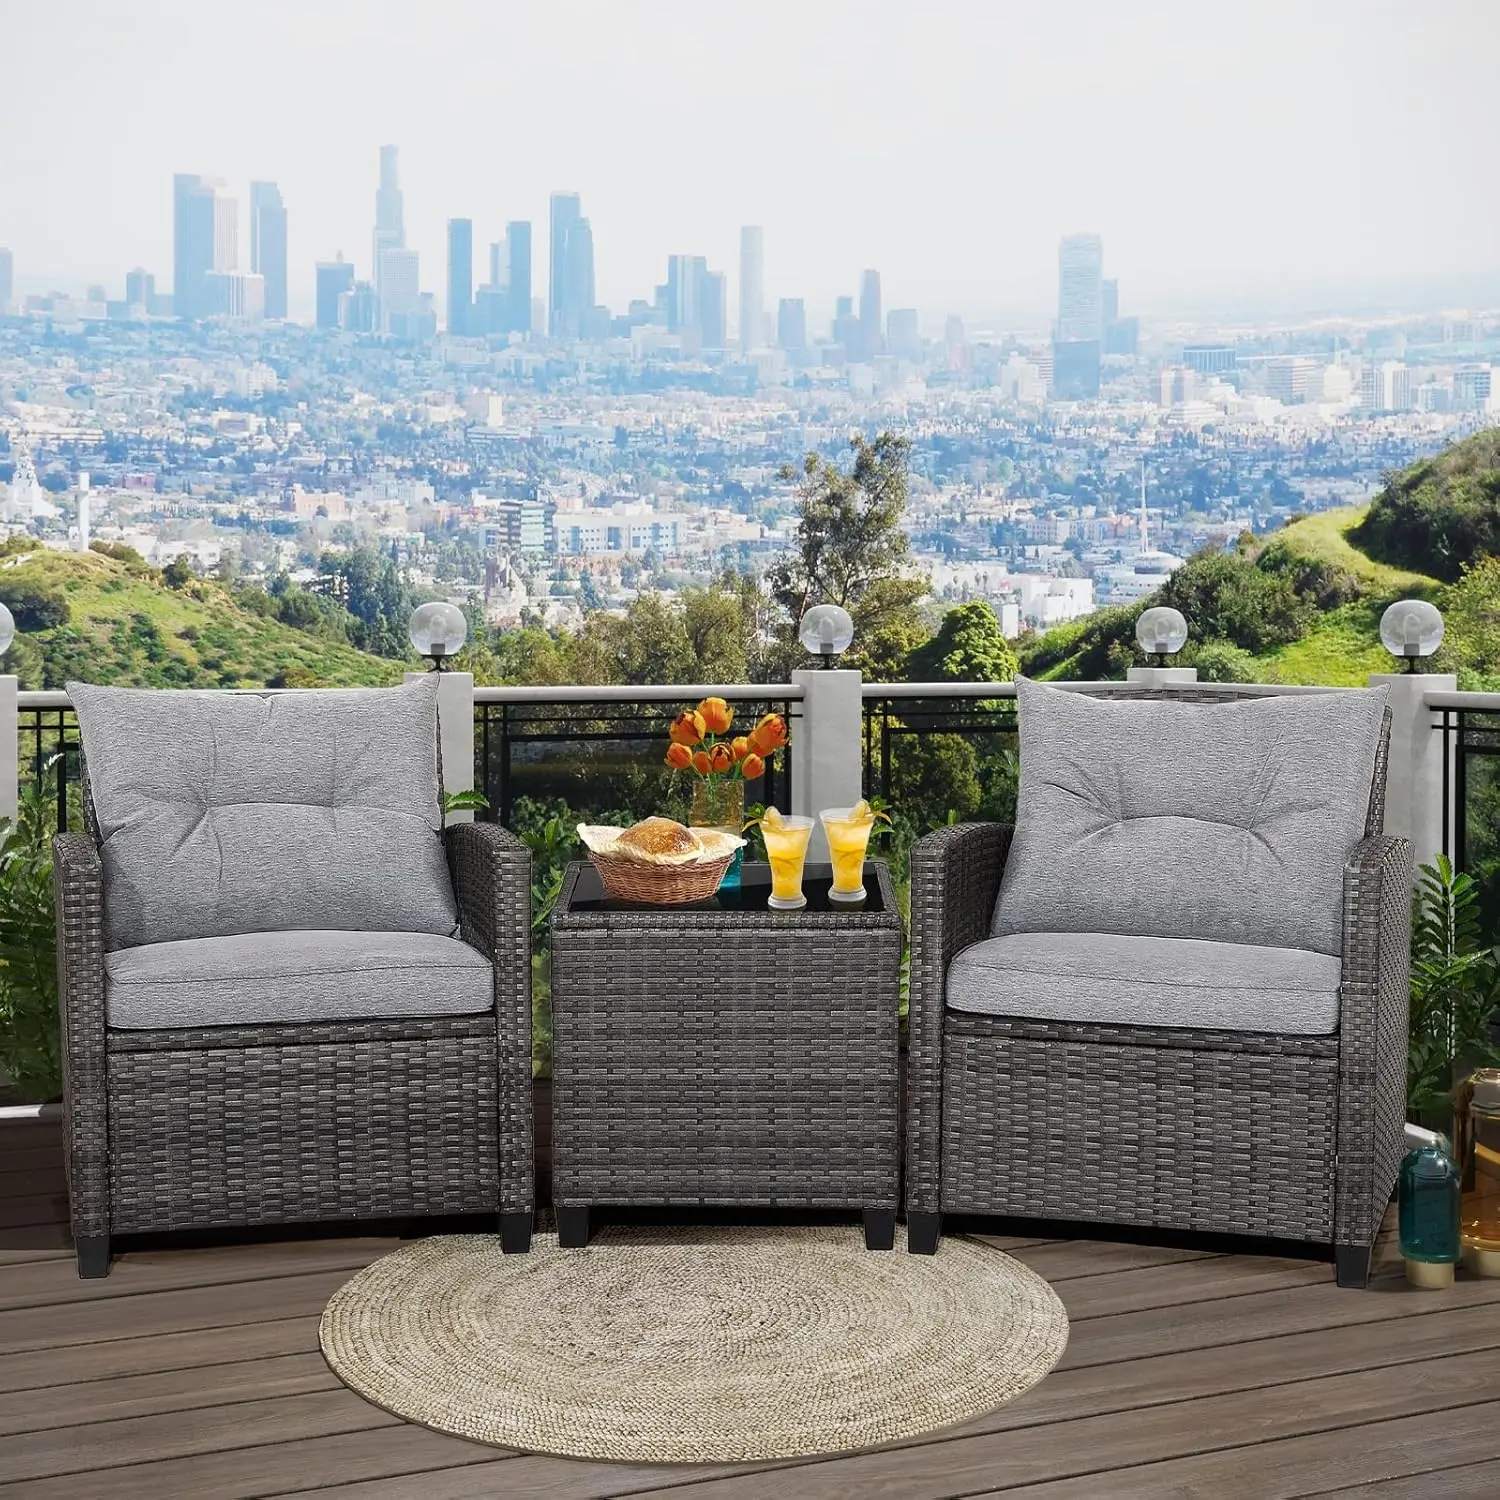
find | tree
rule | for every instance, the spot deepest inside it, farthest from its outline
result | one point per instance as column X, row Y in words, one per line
column 968, row 647
column 178, row 573
column 851, row 551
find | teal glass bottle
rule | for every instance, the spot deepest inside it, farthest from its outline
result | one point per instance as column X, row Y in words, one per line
column 1428, row 1192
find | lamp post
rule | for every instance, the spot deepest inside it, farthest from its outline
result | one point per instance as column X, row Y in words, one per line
column 1411, row 629
column 826, row 631
column 438, row 631
column 1161, row 633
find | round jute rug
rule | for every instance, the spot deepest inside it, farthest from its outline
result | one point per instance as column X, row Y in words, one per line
column 692, row 1345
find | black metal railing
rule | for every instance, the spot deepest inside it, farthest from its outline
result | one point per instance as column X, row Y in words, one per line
column 1471, row 797
column 47, row 752
column 904, row 763
column 599, row 756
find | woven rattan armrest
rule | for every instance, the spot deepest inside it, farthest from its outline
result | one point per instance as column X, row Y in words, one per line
column 1374, row 1002
column 955, row 877
column 78, row 889
column 492, row 880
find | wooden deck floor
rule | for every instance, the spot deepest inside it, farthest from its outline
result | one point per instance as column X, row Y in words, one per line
column 196, row 1373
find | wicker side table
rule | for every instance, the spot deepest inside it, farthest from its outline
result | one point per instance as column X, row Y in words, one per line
column 726, row 1053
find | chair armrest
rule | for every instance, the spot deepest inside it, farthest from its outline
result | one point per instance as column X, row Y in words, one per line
column 1374, row 1003
column 955, row 877
column 78, row 894
column 491, row 870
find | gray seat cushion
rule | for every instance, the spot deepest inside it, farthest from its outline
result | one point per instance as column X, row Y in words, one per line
column 1113, row 980
column 283, row 977
column 1229, row 822
column 221, row 813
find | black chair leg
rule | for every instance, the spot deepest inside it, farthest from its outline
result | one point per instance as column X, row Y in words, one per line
column 880, row 1228
column 93, row 1255
column 573, row 1227
column 515, row 1232
column 923, row 1231
column 1353, row 1264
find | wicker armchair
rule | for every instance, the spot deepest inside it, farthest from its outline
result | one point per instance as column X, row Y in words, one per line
column 1286, row 1136
column 358, row 1111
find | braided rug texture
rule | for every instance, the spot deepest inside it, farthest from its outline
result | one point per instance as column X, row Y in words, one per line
column 692, row 1345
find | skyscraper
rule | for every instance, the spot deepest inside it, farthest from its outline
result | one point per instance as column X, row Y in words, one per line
column 683, row 272
column 712, row 310
column 578, row 278
column 7, row 279
column 268, row 244
column 140, row 288
column 390, row 224
column 870, row 319
column 204, row 239
column 398, row 287
column 1109, row 301
column 335, row 277
column 1080, row 317
column 518, row 276
column 752, row 287
column 460, row 275
column 903, row 335
column 791, row 323
column 567, row 210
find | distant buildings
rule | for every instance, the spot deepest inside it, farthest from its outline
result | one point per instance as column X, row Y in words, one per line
column 205, row 239
column 7, row 280
column 1080, row 317
column 571, row 272
column 518, row 276
column 613, row 528
column 268, row 244
column 752, row 288
column 1209, row 359
column 903, row 335
column 871, row 341
column 791, row 324
column 1289, row 378
column 460, row 275
column 398, row 290
column 1386, row 386
column 390, row 222
column 334, row 278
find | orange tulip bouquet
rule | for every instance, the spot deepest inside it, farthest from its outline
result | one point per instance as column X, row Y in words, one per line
column 721, row 762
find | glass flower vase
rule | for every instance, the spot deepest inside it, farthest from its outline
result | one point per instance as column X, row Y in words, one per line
column 719, row 802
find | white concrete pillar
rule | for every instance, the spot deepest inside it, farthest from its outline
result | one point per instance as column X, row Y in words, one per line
column 1161, row 676
column 10, row 745
column 1414, row 803
column 455, row 733
column 827, row 747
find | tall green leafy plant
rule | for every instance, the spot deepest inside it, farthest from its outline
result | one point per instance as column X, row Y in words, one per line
column 1455, row 987
column 30, row 1039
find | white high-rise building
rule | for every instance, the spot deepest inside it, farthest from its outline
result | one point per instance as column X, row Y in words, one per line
column 390, row 224
column 1386, row 387
column 1080, row 289
column 398, row 279
column 752, row 287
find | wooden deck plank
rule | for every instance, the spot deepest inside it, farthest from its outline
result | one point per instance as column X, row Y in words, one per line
column 1294, row 1468
column 152, row 1354
column 1176, row 1286
column 109, row 1445
column 27, row 1209
column 1063, row 1260
column 290, row 1466
column 1469, row 1482
column 1101, row 1450
column 54, row 1283
column 163, row 1391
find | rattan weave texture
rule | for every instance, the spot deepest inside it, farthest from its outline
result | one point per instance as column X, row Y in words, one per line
column 231, row 1126
column 1283, row 1137
column 725, row 1057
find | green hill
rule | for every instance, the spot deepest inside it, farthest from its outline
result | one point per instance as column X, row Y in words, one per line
column 1303, row 605
column 115, row 620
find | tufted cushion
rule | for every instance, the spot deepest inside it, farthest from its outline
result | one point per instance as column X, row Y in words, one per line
column 1108, row 980
column 223, row 813
column 1229, row 822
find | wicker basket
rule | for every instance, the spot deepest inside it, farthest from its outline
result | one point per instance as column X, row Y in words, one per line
column 660, row 885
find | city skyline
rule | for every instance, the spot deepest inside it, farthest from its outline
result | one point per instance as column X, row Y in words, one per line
column 997, row 135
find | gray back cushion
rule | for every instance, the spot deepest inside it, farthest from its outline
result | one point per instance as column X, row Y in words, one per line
column 1229, row 822
column 225, row 813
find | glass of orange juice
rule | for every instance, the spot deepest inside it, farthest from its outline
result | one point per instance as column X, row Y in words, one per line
column 786, row 840
column 848, row 830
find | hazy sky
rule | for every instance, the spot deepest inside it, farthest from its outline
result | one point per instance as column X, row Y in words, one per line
column 1220, row 149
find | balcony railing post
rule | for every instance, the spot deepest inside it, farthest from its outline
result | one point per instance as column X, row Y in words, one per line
column 455, row 733
column 1415, row 804
column 827, row 752
column 10, row 745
